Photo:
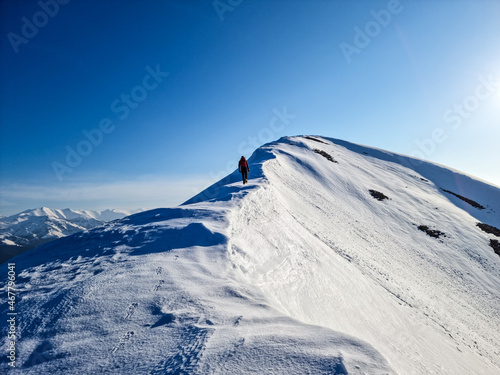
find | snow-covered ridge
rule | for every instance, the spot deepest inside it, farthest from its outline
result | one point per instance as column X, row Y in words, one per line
column 336, row 256
column 32, row 228
column 321, row 264
column 69, row 214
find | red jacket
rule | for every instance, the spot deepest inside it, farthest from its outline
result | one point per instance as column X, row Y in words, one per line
column 243, row 164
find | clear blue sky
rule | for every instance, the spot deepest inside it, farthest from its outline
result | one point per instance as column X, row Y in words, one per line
column 171, row 93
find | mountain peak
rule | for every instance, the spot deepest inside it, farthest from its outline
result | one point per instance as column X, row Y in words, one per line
column 334, row 258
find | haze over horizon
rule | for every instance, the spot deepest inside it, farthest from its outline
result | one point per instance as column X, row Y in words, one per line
column 112, row 104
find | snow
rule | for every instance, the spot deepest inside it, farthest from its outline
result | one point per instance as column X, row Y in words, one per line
column 31, row 228
column 69, row 214
column 299, row 271
column 329, row 254
column 8, row 242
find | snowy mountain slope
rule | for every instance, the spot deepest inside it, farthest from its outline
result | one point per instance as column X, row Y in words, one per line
column 301, row 271
column 31, row 228
column 324, row 250
column 155, row 294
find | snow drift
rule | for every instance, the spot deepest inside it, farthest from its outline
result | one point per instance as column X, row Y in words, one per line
column 335, row 258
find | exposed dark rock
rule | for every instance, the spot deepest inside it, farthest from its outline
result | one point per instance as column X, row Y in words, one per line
column 489, row 229
column 431, row 232
column 378, row 195
column 314, row 139
column 325, row 154
column 496, row 246
column 467, row 200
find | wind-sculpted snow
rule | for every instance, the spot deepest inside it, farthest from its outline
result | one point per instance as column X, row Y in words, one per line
column 301, row 271
column 155, row 293
column 327, row 253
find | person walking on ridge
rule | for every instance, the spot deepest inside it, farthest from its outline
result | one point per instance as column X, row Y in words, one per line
column 243, row 168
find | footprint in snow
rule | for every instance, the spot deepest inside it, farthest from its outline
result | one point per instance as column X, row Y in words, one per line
column 130, row 310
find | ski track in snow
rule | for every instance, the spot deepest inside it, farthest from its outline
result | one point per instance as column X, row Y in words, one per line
column 301, row 271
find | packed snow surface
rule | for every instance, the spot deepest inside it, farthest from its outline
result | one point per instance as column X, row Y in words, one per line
column 335, row 258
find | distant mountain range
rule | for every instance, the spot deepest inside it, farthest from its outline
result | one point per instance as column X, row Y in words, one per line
column 31, row 228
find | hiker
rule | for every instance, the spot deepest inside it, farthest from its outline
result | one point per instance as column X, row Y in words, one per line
column 243, row 168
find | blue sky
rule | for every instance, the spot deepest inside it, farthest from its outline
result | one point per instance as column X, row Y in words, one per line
column 128, row 104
